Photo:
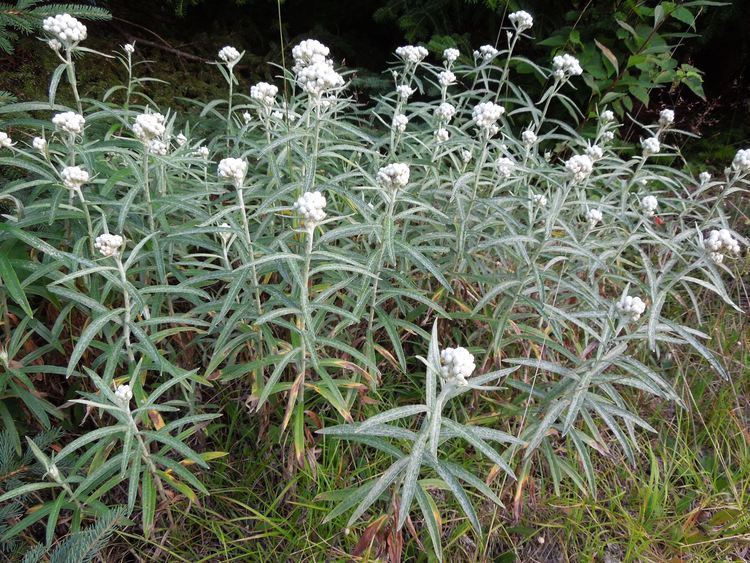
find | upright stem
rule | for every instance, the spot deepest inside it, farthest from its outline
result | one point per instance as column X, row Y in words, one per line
column 147, row 191
column 304, row 303
column 126, row 304
column 249, row 244
column 463, row 224
column 229, row 103
column 71, row 72
column 89, row 224
column 380, row 262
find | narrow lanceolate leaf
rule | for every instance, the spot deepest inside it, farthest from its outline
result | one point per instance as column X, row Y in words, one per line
column 431, row 519
column 13, row 286
column 544, row 426
column 88, row 335
column 463, row 500
column 385, row 480
column 148, row 502
column 391, row 415
column 466, row 433
column 91, row 436
column 410, row 479
column 352, row 498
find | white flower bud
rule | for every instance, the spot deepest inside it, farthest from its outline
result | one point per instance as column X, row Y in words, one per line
column 54, row 44
column 666, row 117
column 594, row 152
column 505, row 166
column 633, row 307
column 442, row 135
column 486, row 53
column 309, row 52
column 310, row 206
column 451, row 55
column 528, row 137
column 465, row 156
column 404, row 92
column 70, row 122
column 157, row 147
column 319, row 78
column 579, row 166
column 565, row 66
column 457, row 365
column 264, row 93
column 521, row 20
column 650, row 146
column 202, row 152
column 39, row 143
column 64, row 28
column 73, row 177
column 486, row 114
column 181, row 140
column 704, row 177
column 226, row 236
column 129, row 48
column 719, row 243
column 399, row 122
column 607, row 116
column 412, row 54
column 539, row 200
column 649, row 204
column 394, row 176
column 445, row 112
column 229, row 55
column 123, row 394
column 594, row 217
column 233, row 170
column 108, row 245
column 446, row 78
column 741, row 162
column 5, row 141
column 149, row 126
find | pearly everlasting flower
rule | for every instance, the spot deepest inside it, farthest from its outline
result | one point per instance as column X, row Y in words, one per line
column 157, row 147
column 65, row 28
column 451, row 55
column 277, row 115
column 650, row 146
column 566, row 66
column 445, row 112
column 607, row 136
column 394, row 176
column 505, row 166
column 123, row 394
column 579, row 166
column 181, row 139
column 442, row 135
column 528, row 137
column 457, row 365
column 39, row 143
column 521, row 20
column 486, row 114
column 310, row 206
column 741, row 160
column 70, row 122
column 229, row 55
column 149, row 126
column 404, row 91
column 54, row 44
column 233, row 169
column 73, row 177
column 594, row 217
column 108, row 245
column 309, row 52
column 5, row 141
column 202, row 152
column 399, row 122
column 721, row 242
column 412, row 54
column 319, row 78
column 594, row 152
column 486, row 53
column 704, row 177
column 632, row 307
column 129, row 48
column 539, row 200
column 54, row 473
column 247, row 117
column 446, row 78
column 649, row 205
column 264, row 93
column 226, row 236
column 607, row 116
column 465, row 156
column 666, row 117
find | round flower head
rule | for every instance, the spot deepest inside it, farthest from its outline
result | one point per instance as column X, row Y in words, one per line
column 73, row 177
column 309, row 52
column 633, row 307
column 521, row 20
column 319, row 78
column 229, row 55
column 445, row 112
column 650, row 146
column 123, row 394
column 721, row 242
column 704, row 177
column 451, row 55
column 65, row 28
column 247, row 117
column 149, row 126
column 399, row 122
column 404, row 91
column 505, row 166
column 457, row 365
column 202, row 152
column 442, row 135
column 607, row 116
column 539, row 200
column 54, row 44
column 157, row 147
column 594, row 217
column 566, row 66
column 666, row 118
column 129, row 48
column 594, row 152
column 39, row 143
column 70, row 122
column 446, row 78
column 486, row 114
column 264, row 93
column 486, row 53
column 5, row 141
column 412, row 54
column 579, row 166
column 528, row 137
column 607, row 136
column 394, row 176
column 181, row 140
column 741, row 161
column 465, row 156
column 233, row 170
column 649, row 205
column 108, row 245
column 310, row 206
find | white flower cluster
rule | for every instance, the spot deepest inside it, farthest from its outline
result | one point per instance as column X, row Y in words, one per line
column 650, row 146
column 704, row 177
column 741, row 161
column 311, row 205
column 457, row 365
column 634, row 307
column 505, row 166
column 465, row 156
column 486, row 53
column 54, row 44
column 181, row 139
column 39, row 143
column 528, row 137
column 394, row 176
column 412, row 54
column 666, row 117
column 309, row 52
column 649, row 205
column 445, row 112
column 486, row 114
column 123, row 394
column 579, row 166
column 319, row 78
column 399, row 122
column 69, row 121
column 74, row 177
column 157, row 147
column 65, row 28
column 233, row 169
column 539, row 199
column 264, row 93
column 607, row 136
column 446, row 78
column 607, row 116
column 149, row 126
column 5, row 141
column 594, row 152
column 451, row 55
column 202, row 152
column 721, row 242
column 521, row 20
column 404, row 91
column 108, row 245
column 442, row 135
column 594, row 217
column 566, row 66
column 129, row 48
column 229, row 55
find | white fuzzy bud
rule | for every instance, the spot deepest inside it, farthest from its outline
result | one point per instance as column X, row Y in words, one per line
column 666, row 117
column 607, row 136
column 565, row 66
column 157, row 147
column 65, row 28
column 394, row 176
column 309, row 52
column 649, row 204
column 579, row 166
column 264, row 93
column 39, row 143
column 607, row 116
column 149, row 126
column 521, row 20
column 319, row 78
column 123, row 394
column 445, row 112
column 719, row 243
column 129, row 48
column 594, row 152
column 451, row 55
column 486, row 53
column 741, row 161
column 446, row 78
column 650, row 146
column 403, row 91
column 70, row 122
column 310, row 206
column 486, row 114
column 594, row 217
column 539, row 200
column 632, row 307
column 54, row 44
column 528, row 138
column 233, row 170
column 73, row 177
column 457, row 365
column 181, row 140
column 399, row 122
column 442, row 135
column 505, row 166
column 412, row 54
column 229, row 55
column 108, row 245
column 465, row 156
column 226, row 236
column 202, row 152
column 5, row 141
column 704, row 177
